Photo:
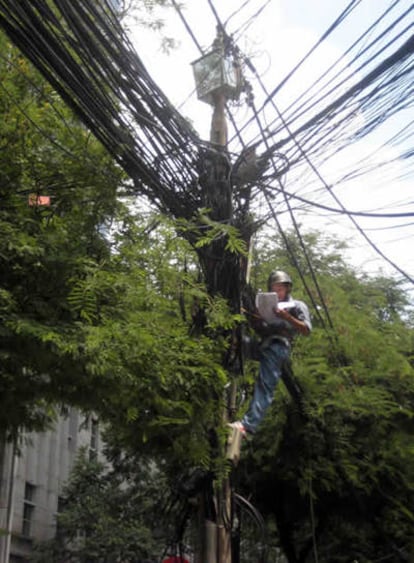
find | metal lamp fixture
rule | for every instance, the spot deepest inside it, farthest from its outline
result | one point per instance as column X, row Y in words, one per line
column 217, row 73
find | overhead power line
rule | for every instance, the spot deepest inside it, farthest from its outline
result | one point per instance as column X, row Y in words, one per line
column 90, row 61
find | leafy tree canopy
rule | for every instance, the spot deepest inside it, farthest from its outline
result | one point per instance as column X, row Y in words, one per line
column 46, row 251
column 104, row 518
column 94, row 318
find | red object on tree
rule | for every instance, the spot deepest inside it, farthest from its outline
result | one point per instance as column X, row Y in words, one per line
column 35, row 199
column 175, row 559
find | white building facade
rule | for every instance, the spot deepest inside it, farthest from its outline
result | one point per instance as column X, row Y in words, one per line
column 32, row 480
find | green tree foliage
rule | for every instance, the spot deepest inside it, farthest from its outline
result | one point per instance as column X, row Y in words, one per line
column 94, row 321
column 169, row 383
column 46, row 252
column 104, row 518
column 337, row 474
column 85, row 322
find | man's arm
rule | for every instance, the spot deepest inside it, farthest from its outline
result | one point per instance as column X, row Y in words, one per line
column 297, row 324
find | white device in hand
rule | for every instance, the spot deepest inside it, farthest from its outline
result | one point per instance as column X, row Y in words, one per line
column 267, row 302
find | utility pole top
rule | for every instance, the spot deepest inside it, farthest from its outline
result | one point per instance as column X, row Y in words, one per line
column 218, row 79
column 217, row 72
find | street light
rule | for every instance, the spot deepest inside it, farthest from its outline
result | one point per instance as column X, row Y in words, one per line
column 217, row 72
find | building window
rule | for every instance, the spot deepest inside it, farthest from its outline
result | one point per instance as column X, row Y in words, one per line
column 59, row 509
column 93, row 445
column 28, row 508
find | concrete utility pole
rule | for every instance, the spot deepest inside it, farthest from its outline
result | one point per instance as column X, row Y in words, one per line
column 218, row 79
column 218, row 132
column 218, row 136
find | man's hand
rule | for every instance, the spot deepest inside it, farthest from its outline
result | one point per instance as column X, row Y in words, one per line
column 283, row 314
column 299, row 325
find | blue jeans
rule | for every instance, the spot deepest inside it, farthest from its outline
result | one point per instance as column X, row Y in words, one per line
column 273, row 356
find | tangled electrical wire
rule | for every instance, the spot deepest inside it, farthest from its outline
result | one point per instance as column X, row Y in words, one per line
column 84, row 53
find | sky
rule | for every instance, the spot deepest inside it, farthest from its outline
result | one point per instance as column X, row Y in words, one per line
column 276, row 39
